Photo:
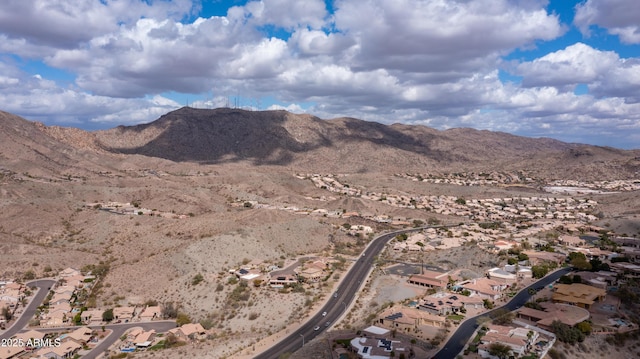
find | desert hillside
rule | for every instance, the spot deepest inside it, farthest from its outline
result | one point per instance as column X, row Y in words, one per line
column 197, row 193
column 350, row 145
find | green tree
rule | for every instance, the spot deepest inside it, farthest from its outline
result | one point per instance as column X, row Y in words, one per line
column 565, row 279
column 581, row 263
column 539, row 271
column 182, row 319
column 77, row 319
column 29, row 275
column 500, row 350
column 107, row 315
column 6, row 313
column 169, row 310
column 584, row 327
column 503, row 317
column 565, row 333
column 197, row 279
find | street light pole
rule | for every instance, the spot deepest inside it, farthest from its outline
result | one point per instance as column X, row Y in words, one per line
column 302, row 339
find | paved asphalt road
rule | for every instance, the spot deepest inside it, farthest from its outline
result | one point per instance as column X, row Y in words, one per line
column 338, row 303
column 30, row 311
column 459, row 339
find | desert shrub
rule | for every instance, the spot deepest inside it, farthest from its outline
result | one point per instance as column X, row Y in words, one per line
column 197, row 279
column 567, row 334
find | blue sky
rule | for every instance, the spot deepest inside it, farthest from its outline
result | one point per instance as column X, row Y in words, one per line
column 564, row 69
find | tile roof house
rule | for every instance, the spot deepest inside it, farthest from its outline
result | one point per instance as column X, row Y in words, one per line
column 572, row 241
column 565, row 313
column 81, row 335
column 64, row 351
column 55, row 319
column 76, row 281
column 150, row 313
column 91, row 316
column 124, row 314
column 278, row 281
column 518, row 339
column 408, row 318
column 484, row 288
column 30, row 334
column 447, row 303
column 536, row 257
column 581, row 295
column 430, row 279
column 8, row 352
column 311, row 274
column 60, row 298
column 62, row 306
column 144, row 339
column 190, row 331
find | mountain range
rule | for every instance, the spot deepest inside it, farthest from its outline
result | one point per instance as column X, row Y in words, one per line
column 302, row 142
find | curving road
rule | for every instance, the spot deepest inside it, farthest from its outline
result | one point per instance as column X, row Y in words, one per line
column 339, row 301
column 29, row 312
column 459, row 339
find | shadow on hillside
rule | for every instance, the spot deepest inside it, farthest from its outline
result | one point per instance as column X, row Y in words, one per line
column 233, row 135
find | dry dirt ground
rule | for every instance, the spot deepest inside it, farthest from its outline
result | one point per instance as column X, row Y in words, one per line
column 46, row 227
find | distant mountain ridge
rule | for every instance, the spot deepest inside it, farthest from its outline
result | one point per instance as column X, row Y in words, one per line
column 305, row 142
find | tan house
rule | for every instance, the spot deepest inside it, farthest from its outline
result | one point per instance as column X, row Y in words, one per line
column 92, row 316
column 279, row 281
column 578, row 294
column 63, row 306
column 571, row 241
column 81, row 335
column 150, row 313
column 8, row 352
column 189, row 331
column 430, row 279
column 536, row 257
column 484, row 288
column 519, row 340
column 30, row 335
column 144, row 339
column 76, row 281
column 439, row 304
column 567, row 314
column 311, row 274
column 66, row 350
column 404, row 318
column 60, row 298
column 56, row 318
column 124, row 314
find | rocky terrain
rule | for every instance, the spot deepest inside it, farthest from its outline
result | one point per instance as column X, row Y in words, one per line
column 200, row 164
